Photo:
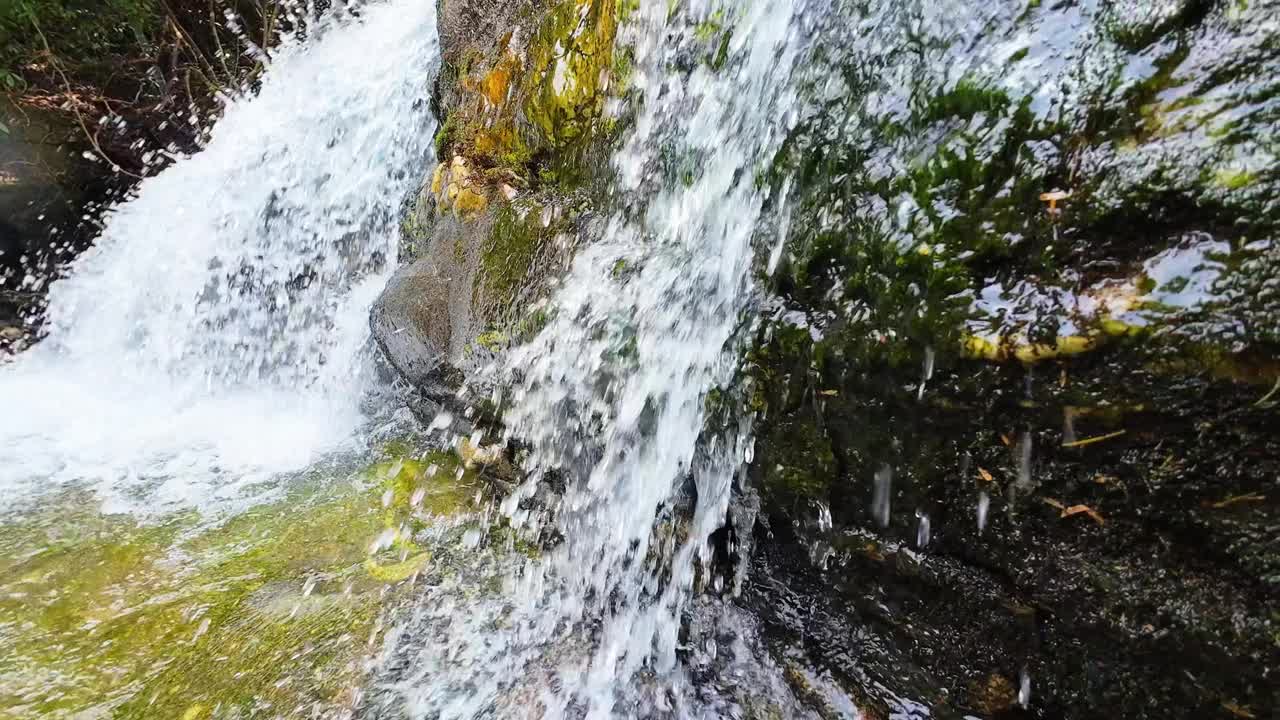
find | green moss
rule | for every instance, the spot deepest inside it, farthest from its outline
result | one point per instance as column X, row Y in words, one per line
column 1233, row 178
column 273, row 607
column 536, row 112
column 492, row 340
column 710, row 28
column 627, row 9
column 531, row 324
column 446, row 136
column 513, row 245
column 967, row 98
column 569, row 57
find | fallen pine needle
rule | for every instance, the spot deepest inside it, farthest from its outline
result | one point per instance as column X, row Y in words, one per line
column 1092, row 440
column 1274, row 388
column 1236, row 499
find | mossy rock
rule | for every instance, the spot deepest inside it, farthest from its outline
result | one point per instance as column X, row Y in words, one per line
column 273, row 607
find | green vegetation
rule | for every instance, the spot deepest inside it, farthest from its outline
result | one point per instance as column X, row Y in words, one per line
column 514, row 244
column 146, row 61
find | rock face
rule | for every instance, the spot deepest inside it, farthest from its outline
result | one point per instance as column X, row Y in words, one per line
column 520, row 99
column 411, row 323
column 1017, row 388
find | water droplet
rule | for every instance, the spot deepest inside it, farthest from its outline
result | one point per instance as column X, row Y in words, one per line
column 383, row 541
column 927, row 373
column 823, row 516
column 923, row 531
column 201, row 630
column 1024, row 460
column 984, row 503
column 880, row 496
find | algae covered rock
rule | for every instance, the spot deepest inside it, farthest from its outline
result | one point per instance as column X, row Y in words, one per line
column 279, row 607
column 1029, row 273
column 523, row 135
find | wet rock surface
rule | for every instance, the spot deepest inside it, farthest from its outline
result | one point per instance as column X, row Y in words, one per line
column 1016, row 397
column 520, row 99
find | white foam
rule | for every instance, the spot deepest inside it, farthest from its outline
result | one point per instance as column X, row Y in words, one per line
column 214, row 335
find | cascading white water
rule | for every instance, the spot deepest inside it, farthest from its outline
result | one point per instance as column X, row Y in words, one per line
column 612, row 395
column 213, row 335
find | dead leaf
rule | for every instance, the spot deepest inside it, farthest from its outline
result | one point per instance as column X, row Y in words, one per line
column 829, row 393
column 1054, row 503
column 986, row 476
column 1240, row 711
column 1077, row 509
column 1062, row 379
column 1101, row 479
column 1005, row 439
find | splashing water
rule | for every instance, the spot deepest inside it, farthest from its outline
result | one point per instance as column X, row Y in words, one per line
column 611, row 396
column 214, row 332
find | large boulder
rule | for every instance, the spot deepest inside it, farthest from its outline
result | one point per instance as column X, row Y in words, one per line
column 410, row 322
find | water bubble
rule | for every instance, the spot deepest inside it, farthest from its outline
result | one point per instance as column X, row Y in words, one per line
column 880, row 496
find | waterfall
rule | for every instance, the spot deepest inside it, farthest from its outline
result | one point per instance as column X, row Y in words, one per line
column 213, row 336
column 612, row 397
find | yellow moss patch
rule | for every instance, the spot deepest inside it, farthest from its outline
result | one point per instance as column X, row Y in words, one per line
column 983, row 349
column 458, row 190
column 544, row 94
